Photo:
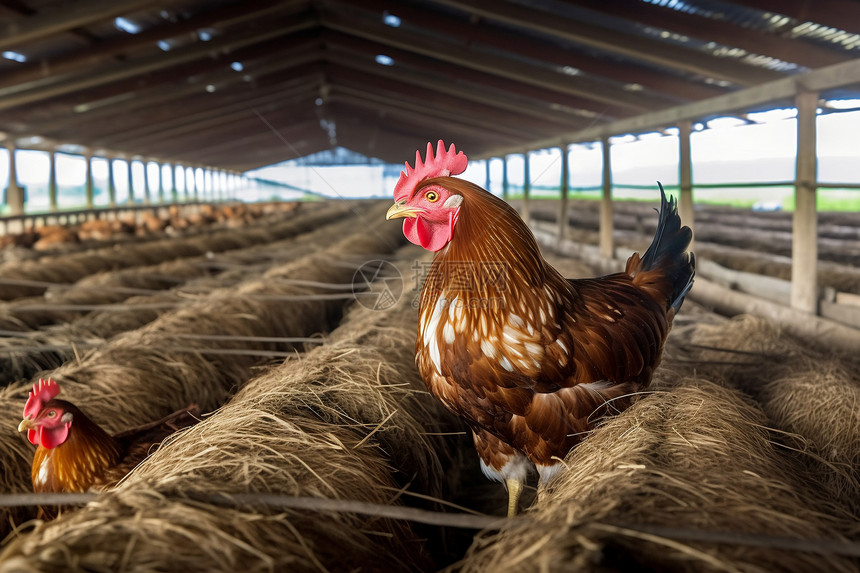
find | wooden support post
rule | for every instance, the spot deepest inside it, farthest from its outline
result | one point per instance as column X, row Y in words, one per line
column 14, row 192
column 174, row 190
column 52, row 180
column 804, row 249
column 89, row 187
column 685, row 174
column 505, row 184
column 565, row 190
column 130, row 183
column 146, row 196
column 111, row 183
column 527, row 188
column 607, row 244
column 160, row 182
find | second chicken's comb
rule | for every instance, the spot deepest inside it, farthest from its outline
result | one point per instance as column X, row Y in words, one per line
column 43, row 391
column 444, row 163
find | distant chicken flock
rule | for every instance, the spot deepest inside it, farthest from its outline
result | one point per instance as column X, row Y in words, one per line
column 142, row 224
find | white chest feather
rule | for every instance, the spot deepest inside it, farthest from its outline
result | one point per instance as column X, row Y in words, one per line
column 42, row 476
column 515, row 345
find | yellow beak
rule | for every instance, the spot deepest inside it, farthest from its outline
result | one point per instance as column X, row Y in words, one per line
column 400, row 209
column 26, row 424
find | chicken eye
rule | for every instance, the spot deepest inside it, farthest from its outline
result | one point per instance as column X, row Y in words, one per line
column 432, row 196
column 52, row 413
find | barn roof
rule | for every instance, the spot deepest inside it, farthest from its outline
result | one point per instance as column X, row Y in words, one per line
column 242, row 84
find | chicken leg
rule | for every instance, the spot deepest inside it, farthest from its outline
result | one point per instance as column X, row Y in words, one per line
column 515, row 488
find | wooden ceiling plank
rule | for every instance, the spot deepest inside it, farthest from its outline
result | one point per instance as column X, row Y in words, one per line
column 120, row 45
column 58, row 85
column 552, row 53
column 425, row 108
column 162, row 95
column 204, row 119
column 638, row 49
column 342, row 44
column 434, row 123
column 441, row 99
column 508, row 68
column 70, row 15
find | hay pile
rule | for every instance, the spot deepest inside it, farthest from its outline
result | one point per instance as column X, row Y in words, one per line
column 349, row 420
column 808, row 393
column 147, row 373
column 694, row 457
column 68, row 268
column 23, row 356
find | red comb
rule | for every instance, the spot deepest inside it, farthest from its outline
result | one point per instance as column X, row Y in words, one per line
column 43, row 391
column 445, row 163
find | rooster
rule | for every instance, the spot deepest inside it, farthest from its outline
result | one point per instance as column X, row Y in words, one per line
column 528, row 359
column 74, row 454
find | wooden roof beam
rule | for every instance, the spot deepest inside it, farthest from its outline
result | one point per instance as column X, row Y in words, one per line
column 498, row 66
column 220, row 114
column 54, row 86
column 345, row 46
column 439, row 99
column 229, row 15
column 638, row 49
column 68, row 16
column 480, row 32
column 300, row 64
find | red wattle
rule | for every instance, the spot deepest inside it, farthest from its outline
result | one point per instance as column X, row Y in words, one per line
column 430, row 235
column 52, row 438
column 33, row 437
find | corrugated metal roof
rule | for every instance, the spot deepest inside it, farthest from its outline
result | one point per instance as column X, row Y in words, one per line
column 226, row 83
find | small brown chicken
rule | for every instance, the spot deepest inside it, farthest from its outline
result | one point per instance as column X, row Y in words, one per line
column 74, row 454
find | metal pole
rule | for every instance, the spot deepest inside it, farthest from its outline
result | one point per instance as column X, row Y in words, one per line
column 90, row 188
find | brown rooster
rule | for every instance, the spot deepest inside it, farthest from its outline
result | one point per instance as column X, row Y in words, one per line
column 74, row 454
column 530, row 360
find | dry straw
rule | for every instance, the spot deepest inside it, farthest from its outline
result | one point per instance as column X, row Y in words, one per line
column 692, row 456
column 348, row 421
column 145, row 374
column 68, row 268
column 27, row 353
column 812, row 395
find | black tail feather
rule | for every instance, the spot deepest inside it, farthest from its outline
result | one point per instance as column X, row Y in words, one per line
column 668, row 250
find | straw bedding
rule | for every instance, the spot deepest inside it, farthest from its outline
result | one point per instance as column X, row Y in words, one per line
column 20, row 357
column 809, row 393
column 694, row 456
column 147, row 373
column 349, row 420
column 68, row 268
